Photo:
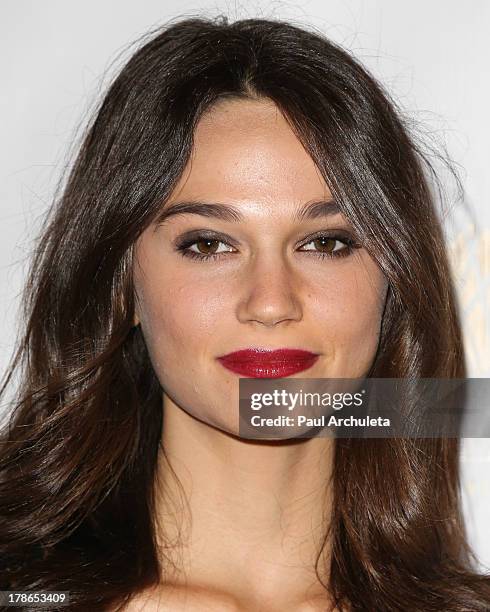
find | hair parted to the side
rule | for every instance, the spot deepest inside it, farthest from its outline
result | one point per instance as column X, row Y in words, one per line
column 79, row 452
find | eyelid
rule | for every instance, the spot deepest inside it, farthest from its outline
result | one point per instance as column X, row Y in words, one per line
column 333, row 232
column 195, row 235
column 189, row 247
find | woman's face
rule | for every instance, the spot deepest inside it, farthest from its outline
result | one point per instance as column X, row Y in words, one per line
column 259, row 277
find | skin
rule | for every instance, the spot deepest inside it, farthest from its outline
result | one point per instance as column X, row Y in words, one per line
column 255, row 512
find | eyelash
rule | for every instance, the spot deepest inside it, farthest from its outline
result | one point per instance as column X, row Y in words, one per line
column 183, row 248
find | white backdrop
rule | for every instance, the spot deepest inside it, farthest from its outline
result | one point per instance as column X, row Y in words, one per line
column 56, row 57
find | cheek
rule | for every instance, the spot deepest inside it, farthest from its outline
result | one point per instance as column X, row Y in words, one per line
column 349, row 310
column 179, row 319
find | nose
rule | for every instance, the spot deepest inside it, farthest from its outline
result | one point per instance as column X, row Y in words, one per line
column 271, row 294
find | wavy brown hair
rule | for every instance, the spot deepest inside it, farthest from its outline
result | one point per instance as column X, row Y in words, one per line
column 79, row 450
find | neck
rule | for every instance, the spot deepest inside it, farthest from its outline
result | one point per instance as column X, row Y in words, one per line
column 249, row 517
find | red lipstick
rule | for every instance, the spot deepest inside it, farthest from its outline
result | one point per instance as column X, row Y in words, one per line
column 265, row 363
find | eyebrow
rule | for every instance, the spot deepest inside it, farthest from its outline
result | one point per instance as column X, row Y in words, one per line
column 227, row 212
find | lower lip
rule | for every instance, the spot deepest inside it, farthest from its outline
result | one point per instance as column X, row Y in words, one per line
column 272, row 368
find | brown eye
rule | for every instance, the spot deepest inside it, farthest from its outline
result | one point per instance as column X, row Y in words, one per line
column 207, row 246
column 325, row 244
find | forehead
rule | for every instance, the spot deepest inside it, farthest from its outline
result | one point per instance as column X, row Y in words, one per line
column 245, row 150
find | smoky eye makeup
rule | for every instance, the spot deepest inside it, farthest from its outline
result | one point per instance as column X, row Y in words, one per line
column 188, row 238
column 207, row 245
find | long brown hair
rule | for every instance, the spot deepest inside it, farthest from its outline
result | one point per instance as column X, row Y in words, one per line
column 79, row 451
